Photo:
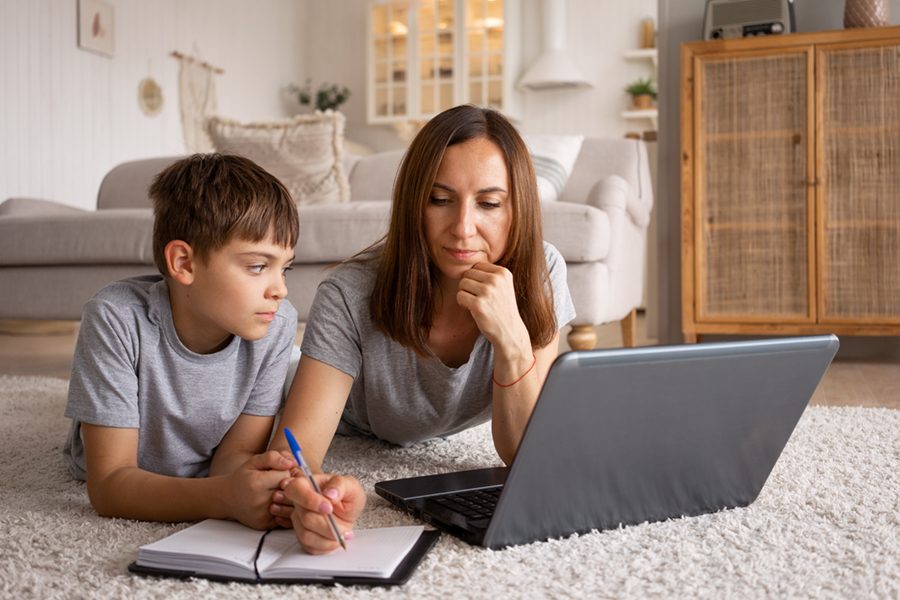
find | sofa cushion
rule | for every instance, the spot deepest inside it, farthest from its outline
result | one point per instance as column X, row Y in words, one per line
column 305, row 152
column 35, row 206
column 372, row 177
column 553, row 157
column 105, row 237
column 334, row 232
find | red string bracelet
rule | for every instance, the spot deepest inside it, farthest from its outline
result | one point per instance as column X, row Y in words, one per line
column 521, row 377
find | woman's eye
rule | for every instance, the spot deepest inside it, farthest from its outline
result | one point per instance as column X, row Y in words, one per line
column 439, row 200
column 490, row 204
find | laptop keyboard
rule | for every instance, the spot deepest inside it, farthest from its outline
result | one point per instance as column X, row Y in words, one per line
column 475, row 504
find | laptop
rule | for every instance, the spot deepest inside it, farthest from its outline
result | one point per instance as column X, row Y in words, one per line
column 619, row 437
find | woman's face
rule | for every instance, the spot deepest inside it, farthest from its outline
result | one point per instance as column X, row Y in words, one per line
column 469, row 212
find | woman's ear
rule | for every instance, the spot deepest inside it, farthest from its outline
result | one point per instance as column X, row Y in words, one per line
column 180, row 261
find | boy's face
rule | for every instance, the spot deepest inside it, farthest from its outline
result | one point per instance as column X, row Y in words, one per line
column 236, row 290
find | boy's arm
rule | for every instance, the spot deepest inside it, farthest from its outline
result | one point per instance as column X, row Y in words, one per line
column 118, row 488
column 247, row 437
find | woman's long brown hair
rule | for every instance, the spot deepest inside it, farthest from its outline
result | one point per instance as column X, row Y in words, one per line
column 403, row 299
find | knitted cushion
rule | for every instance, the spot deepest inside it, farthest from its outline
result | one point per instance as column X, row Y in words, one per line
column 304, row 152
column 553, row 157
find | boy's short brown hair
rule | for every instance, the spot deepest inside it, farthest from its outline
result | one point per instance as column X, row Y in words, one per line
column 207, row 200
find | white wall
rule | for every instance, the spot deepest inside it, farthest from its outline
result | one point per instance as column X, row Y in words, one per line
column 599, row 32
column 68, row 115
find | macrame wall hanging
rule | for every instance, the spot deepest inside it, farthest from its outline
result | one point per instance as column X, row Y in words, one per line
column 197, row 100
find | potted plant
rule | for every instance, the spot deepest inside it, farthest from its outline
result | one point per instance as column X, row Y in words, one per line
column 327, row 97
column 643, row 93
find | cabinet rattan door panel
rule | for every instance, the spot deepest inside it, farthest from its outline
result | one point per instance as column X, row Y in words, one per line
column 859, row 99
column 752, row 201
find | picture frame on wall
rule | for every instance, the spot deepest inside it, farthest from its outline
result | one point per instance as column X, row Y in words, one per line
column 96, row 26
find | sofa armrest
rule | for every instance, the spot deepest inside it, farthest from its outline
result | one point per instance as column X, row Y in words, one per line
column 614, row 192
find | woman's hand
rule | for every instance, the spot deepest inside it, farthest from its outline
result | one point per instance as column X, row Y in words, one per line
column 342, row 496
column 487, row 292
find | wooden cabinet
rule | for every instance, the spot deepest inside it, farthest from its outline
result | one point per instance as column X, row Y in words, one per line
column 791, row 184
column 426, row 56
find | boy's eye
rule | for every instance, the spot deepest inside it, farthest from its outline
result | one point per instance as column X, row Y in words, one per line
column 286, row 269
column 256, row 268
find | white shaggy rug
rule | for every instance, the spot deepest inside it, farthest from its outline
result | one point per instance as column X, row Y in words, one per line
column 827, row 524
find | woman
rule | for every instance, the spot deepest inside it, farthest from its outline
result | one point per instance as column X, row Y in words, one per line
column 451, row 320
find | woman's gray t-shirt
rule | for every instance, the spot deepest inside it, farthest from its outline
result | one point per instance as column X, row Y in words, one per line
column 398, row 395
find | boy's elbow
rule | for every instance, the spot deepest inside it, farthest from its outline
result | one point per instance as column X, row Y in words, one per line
column 100, row 501
column 103, row 499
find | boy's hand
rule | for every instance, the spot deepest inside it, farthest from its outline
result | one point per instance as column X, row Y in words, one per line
column 342, row 496
column 250, row 488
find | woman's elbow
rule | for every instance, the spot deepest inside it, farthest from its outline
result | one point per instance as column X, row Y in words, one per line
column 505, row 452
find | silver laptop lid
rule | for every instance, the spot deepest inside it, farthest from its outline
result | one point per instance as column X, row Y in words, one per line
column 627, row 436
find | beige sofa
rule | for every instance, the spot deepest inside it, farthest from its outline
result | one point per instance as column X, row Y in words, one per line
column 54, row 257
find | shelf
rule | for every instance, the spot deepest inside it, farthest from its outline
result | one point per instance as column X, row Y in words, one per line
column 747, row 226
column 744, row 136
column 650, row 113
column 650, row 54
column 844, row 224
column 877, row 129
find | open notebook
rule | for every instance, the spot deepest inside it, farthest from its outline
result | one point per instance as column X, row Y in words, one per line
column 226, row 550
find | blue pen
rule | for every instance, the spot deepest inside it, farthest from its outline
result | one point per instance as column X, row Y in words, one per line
column 295, row 449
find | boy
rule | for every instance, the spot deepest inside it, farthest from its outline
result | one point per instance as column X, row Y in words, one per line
column 177, row 377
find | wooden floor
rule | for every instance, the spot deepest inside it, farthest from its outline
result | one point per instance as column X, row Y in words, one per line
column 848, row 382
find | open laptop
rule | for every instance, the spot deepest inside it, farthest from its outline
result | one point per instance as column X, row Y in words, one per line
column 619, row 437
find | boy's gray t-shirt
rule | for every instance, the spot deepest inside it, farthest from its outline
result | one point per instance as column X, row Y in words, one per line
column 397, row 395
column 131, row 370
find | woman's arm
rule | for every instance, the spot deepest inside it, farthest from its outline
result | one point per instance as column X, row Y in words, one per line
column 513, row 404
column 312, row 413
column 313, row 409
column 487, row 291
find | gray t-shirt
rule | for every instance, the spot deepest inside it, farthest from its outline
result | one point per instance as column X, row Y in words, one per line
column 398, row 395
column 131, row 370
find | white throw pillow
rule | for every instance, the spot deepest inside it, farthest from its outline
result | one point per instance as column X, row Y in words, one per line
column 554, row 158
column 305, row 152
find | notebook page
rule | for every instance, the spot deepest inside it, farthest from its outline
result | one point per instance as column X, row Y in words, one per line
column 211, row 546
column 278, row 542
column 371, row 553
